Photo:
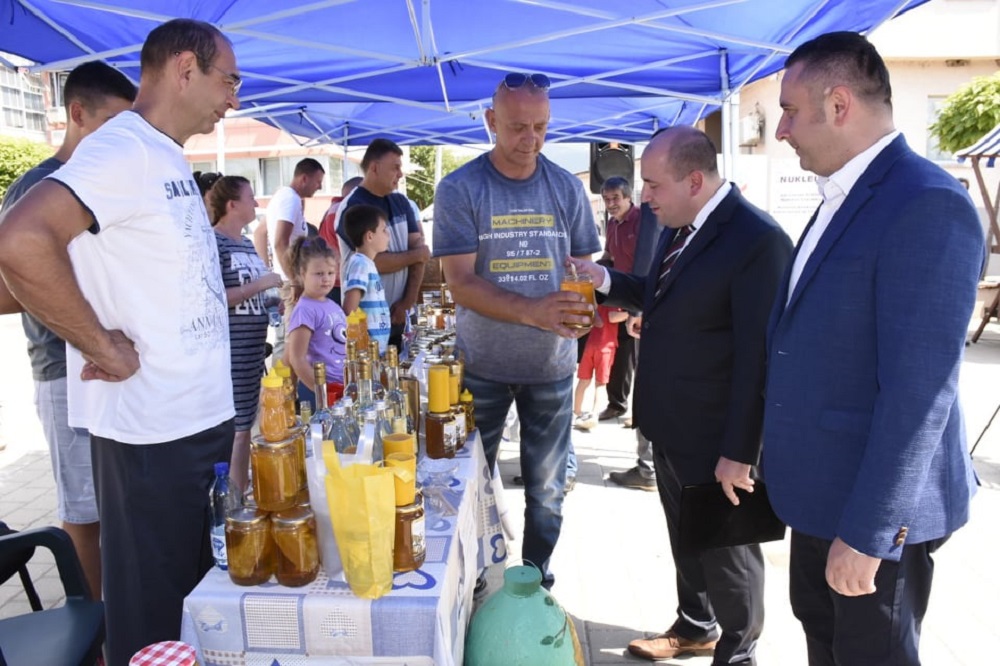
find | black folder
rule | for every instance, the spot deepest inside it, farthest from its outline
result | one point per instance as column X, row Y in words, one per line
column 710, row 520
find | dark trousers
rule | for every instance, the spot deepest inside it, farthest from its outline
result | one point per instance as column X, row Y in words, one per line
column 717, row 589
column 620, row 381
column 882, row 628
column 396, row 335
column 155, row 521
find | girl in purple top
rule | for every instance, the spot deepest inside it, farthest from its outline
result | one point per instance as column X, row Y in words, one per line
column 317, row 329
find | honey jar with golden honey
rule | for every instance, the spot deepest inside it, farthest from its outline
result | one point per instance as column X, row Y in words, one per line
column 249, row 546
column 297, row 550
column 409, row 548
column 277, row 472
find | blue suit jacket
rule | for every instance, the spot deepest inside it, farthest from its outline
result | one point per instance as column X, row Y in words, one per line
column 863, row 434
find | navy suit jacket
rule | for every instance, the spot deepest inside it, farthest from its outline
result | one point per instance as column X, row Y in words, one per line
column 863, row 435
column 700, row 375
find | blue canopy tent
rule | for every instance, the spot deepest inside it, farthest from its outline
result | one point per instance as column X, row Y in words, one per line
column 423, row 71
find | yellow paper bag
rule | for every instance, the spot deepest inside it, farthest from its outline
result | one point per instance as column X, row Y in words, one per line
column 363, row 511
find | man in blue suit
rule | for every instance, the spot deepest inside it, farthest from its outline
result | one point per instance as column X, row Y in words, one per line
column 700, row 377
column 864, row 446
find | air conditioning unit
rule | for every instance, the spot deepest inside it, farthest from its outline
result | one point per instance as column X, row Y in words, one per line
column 752, row 128
column 55, row 115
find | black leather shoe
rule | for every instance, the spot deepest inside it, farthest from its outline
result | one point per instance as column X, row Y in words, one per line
column 610, row 413
column 632, row 478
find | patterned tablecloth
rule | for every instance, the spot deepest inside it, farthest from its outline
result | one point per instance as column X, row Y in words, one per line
column 422, row 621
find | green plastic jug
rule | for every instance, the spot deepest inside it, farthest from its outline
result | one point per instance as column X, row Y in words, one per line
column 521, row 624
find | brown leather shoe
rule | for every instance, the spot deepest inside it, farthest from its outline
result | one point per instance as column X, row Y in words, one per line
column 668, row 646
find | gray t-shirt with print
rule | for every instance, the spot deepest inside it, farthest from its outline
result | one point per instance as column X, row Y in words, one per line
column 521, row 232
column 46, row 350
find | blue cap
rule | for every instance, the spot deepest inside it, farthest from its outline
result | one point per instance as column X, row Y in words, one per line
column 221, row 469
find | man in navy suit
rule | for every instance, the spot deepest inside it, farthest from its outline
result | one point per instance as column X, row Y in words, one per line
column 864, row 446
column 700, row 376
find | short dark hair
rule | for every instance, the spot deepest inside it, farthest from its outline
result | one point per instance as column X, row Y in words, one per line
column 617, row 184
column 378, row 149
column 177, row 36
column 691, row 150
column 359, row 220
column 307, row 166
column 350, row 184
column 205, row 180
column 848, row 59
column 93, row 83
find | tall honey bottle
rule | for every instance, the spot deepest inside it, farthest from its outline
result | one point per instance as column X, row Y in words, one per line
column 456, row 409
column 440, row 425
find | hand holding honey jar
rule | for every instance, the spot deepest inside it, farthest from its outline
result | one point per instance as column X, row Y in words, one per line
column 580, row 283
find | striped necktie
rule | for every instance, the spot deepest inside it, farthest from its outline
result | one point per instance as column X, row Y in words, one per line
column 670, row 257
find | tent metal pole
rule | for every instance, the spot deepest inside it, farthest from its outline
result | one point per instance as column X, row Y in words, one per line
column 598, row 79
column 727, row 111
column 351, row 93
column 418, row 33
column 41, row 16
column 251, row 111
column 597, row 27
column 220, row 146
column 319, row 46
column 324, row 82
column 70, row 63
column 343, row 166
column 283, row 14
column 123, row 11
column 677, row 116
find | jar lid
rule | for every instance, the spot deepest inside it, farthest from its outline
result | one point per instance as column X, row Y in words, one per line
column 260, row 441
column 292, row 517
column 246, row 517
column 271, row 380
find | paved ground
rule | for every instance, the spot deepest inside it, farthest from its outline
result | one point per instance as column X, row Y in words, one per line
column 613, row 568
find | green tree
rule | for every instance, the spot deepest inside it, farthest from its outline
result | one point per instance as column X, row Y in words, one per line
column 16, row 157
column 969, row 113
column 420, row 185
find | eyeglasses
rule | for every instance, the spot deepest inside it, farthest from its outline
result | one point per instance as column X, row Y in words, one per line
column 232, row 80
column 516, row 80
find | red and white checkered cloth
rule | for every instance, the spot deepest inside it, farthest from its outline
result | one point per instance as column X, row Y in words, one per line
column 168, row 653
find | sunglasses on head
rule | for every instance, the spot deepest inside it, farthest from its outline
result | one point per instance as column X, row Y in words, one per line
column 516, row 80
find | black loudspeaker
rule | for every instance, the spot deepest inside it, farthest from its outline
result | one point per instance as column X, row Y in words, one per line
column 611, row 159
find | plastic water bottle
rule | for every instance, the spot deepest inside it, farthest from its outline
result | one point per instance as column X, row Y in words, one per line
column 272, row 298
column 223, row 501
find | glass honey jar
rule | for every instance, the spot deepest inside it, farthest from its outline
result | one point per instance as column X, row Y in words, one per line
column 249, row 546
column 294, row 534
column 277, row 472
column 409, row 549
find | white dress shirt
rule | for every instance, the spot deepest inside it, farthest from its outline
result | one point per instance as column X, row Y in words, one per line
column 834, row 190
